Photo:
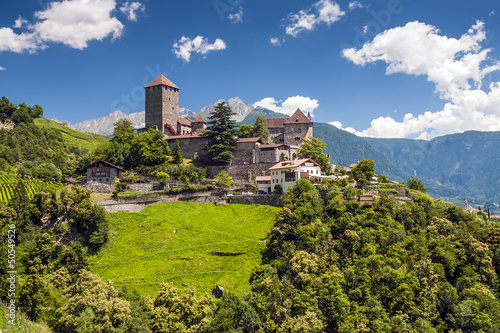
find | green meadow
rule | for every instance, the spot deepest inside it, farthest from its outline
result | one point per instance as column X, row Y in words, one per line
column 176, row 242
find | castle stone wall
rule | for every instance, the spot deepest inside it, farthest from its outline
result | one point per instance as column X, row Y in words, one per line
column 245, row 152
column 192, row 147
column 240, row 173
column 294, row 131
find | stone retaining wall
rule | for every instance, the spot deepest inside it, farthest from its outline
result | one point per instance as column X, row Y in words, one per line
column 244, row 173
column 134, row 206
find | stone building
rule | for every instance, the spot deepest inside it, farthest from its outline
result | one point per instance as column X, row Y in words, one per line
column 162, row 110
column 103, row 172
column 288, row 131
column 162, row 113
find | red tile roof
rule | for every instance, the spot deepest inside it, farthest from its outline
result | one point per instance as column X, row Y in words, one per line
column 184, row 121
column 199, row 119
column 161, row 80
column 257, row 139
column 275, row 122
column 171, row 129
column 298, row 118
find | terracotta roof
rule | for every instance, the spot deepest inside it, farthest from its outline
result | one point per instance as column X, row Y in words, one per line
column 257, row 139
column 171, row 129
column 199, row 119
column 109, row 164
column 184, row 136
column 161, row 80
column 291, row 164
column 298, row 118
column 263, row 178
column 275, row 122
column 184, row 121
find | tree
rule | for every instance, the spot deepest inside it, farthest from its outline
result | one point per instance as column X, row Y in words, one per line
column 223, row 179
column 163, row 177
column 364, row 170
column 221, row 133
column 123, row 131
column 21, row 204
column 414, row 183
column 313, row 148
column 177, row 153
column 260, row 128
column 383, row 179
column 245, row 131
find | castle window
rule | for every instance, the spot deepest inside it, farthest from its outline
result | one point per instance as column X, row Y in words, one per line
column 299, row 129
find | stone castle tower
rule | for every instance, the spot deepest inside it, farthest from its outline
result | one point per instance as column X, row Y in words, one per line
column 162, row 105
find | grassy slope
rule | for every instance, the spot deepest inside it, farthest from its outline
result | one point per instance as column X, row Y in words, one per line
column 135, row 255
column 73, row 137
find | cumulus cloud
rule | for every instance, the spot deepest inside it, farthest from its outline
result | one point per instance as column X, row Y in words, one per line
column 323, row 11
column 457, row 67
column 19, row 22
column 339, row 125
column 10, row 41
column 185, row 46
column 71, row 22
column 2, row 68
column 290, row 105
column 275, row 41
column 236, row 17
column 131, row 9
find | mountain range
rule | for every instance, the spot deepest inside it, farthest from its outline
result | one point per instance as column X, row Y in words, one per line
column 454, row 167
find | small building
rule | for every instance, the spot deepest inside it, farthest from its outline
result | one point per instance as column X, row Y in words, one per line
column 264, row 183
column 103, row 172
column 286, row 173
column 366, row 199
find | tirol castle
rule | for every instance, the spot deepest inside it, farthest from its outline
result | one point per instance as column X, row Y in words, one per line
column 162, row 113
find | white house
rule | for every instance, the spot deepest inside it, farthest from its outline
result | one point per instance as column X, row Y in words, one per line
column 264, row 183
column 287, row 173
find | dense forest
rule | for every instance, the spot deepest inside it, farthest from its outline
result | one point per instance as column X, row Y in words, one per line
column 330, row 265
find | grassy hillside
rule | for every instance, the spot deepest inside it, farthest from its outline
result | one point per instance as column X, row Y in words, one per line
column 73, row 137
column 144, row 250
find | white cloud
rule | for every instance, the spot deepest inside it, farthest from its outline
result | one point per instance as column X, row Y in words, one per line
column 339, row 125
column 457, row 67
column 20, row 22
column 290, row 105
column 323, row 11
column 275, row 41
column 2, row 68
column 236, row 17
column 76, row 22
column 185, row 46
column 71, row 22
column 355, row 5
column 131, row 9
column 10, row 41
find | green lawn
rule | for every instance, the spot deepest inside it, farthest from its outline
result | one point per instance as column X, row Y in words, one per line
column 143, row 250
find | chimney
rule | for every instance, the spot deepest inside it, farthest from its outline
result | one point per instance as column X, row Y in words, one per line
column 309, row 115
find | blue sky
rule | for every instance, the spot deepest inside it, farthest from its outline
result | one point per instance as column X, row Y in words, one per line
column 395, row 68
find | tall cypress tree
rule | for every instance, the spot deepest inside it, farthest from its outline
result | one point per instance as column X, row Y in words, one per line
column 260, row 128
column 177, row 153
column 221, row 132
